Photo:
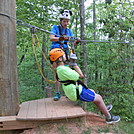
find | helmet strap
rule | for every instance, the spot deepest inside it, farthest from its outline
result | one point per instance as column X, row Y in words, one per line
column 61, row 25
column 58, row 61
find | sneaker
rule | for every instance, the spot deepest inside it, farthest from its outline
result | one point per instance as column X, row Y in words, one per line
column 109, row 107
column 57, row 96
column 113, row 119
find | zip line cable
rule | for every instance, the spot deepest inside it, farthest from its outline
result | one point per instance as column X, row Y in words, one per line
column 92, row 41
column 20, row 22
column 34, row 37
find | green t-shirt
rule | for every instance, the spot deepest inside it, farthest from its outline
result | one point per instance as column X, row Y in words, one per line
column 66, row 73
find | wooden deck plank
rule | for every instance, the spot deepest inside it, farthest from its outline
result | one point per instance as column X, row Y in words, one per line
column 50, row 109
column 47, row 109
column 32, row 111
column 25, row 108
column 41, row 109
column 60, row 109
column 10, row 123
column 77, row 110
column 67, row 106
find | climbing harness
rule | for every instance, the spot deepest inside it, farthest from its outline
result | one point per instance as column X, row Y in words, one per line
column 63, row 42
column 76, row 83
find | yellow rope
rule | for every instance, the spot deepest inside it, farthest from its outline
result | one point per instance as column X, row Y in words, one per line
column 38, row 42
column 39, row 68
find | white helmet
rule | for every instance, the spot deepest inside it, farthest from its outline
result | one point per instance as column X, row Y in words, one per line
column 65, row 14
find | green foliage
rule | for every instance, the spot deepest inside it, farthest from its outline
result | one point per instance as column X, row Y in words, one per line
column 110, row 67
column 110, row 74
column 116, row 20
column 126, row 128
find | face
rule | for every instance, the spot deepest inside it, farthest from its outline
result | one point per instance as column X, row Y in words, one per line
column 64, row 57
column 64, row 23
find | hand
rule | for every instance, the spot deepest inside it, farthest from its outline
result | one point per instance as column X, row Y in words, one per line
column 73, row 59
column 77, row 41
column 61, row 38
column 72, row 64
column 65, row 38
column 73, row 56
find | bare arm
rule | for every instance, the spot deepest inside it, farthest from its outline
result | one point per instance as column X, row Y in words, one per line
column 78, row 70
column 53, row 38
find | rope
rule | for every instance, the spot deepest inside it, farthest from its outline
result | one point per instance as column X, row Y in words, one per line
column 34, row 36
column 38, row 42
column 72, row 38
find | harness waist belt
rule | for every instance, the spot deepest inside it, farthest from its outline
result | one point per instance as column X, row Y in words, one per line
column 67, row 82
column 61, row 42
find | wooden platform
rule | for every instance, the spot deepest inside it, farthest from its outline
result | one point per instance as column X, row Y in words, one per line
column 43, row 111
column 47, row 109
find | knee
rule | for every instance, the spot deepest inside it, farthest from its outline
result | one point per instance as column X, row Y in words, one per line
column 98, row 98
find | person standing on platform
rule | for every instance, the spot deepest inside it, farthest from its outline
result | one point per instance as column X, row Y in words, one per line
column 59, row 37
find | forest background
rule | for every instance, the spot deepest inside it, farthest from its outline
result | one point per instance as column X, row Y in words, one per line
column 108, row 67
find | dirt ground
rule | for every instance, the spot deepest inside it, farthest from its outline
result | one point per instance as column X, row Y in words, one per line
column 88, row 125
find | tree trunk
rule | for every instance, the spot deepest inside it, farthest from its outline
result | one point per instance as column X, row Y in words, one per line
column 94, row 19
column 82, row 24
column 9, row 103
column 94, row 22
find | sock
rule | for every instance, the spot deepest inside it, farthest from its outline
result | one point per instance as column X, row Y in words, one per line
column 108, row 117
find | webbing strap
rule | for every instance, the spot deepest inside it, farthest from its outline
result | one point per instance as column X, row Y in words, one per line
column 67, row 82
column 77, row 93
column 61, row 34
column 60, row 30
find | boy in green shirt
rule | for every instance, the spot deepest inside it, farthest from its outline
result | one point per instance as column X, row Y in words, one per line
column 73, row 88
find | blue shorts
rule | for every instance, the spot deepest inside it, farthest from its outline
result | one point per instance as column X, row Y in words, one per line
column 87, row 95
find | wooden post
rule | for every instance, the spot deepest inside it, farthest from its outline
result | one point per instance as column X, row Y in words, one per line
column 9, row 103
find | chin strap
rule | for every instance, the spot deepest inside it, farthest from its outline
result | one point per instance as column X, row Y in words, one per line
column 65, row 61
